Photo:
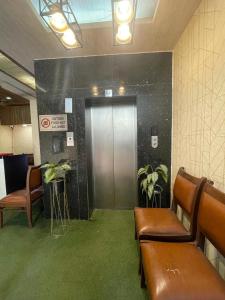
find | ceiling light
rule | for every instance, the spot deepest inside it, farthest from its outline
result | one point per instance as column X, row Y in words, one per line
column 8, row 98
column 122, row 90
column 123, row 35
column 69, row 39
column 59, row 17
column 123, row 11
column 58, row 22
column 95, row 90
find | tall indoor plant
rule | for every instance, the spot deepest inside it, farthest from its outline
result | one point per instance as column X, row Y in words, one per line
column 56, row 173
column 149, row 181
column 55, row 176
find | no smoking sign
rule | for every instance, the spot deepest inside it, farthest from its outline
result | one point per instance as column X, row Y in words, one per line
column 45, row 123
column 53, row 122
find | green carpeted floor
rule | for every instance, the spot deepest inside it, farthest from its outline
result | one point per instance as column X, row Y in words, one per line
column 95, row 260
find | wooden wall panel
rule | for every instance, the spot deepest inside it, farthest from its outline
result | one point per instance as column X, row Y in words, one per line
column 15, row 115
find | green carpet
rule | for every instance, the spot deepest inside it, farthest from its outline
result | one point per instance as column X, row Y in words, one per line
column 95, row 260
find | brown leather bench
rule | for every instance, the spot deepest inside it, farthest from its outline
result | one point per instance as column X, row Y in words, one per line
column 162, row 223
column 175, row 271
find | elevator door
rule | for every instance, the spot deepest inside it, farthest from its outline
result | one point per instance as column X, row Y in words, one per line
column 113, row 143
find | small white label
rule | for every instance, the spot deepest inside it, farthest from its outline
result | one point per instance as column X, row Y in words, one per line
column 154, row 141
column 108, row 93
column 69, row 139
column 68, row 105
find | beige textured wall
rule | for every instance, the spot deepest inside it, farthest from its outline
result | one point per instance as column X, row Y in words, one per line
column 12, row 115
column 199, row 98
column 5, row 139
column 22, row 139
column 17, row 140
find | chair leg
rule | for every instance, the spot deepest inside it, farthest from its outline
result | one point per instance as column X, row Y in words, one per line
column 135, row 230
column 29, row 216
column 140, row 258
column 135, row 233
column 143, row 285
column 1, row 218
column 139, row 267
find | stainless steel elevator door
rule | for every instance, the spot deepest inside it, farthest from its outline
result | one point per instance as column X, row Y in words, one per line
column 113, row 135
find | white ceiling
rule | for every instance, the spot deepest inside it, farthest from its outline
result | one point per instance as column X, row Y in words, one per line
column 23, row 36
column 10, row 68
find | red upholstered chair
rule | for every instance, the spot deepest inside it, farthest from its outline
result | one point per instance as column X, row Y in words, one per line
column 25, row 198
column 181, row 270
column 162, row 223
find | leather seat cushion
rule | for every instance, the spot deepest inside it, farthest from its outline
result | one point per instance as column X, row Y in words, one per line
column 180, row 271
column 159, row 223
column 19, row 198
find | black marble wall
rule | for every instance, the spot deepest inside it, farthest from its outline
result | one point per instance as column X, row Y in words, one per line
column 147, row 76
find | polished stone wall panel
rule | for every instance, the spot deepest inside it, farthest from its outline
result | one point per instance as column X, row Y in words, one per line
column 147, row 76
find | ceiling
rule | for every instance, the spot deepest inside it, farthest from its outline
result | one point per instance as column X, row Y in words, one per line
column 24, row 37
column 12, row 69
column 8, row 98
column 92, row 11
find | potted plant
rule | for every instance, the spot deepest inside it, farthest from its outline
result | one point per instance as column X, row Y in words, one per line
column 150, row 181
column 56, row 173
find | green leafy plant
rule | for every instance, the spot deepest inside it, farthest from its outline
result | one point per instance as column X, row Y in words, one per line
column 55, row 171
column 149, row 179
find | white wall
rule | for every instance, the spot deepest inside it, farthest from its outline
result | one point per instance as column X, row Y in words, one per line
column 18, row 140
column 2, row 180
column 25, row 139
column 5, row 139
column 35, row 131
column 22, row 139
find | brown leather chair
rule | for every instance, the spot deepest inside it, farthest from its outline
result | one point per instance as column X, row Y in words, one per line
column 177, row 271
column 25, row 198
column 162, row 223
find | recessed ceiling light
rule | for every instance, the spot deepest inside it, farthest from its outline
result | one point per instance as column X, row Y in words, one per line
column 69, row 39
column 122, row 90
column 95, row 90
column 58, row 22
column 124, row 12
column 8, row 98
column 60, row 18
column 124, row 35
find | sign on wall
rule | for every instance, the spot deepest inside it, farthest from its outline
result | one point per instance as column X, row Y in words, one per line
column 53, row 122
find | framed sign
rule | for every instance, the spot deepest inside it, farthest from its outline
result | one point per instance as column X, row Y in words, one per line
column 53, row 122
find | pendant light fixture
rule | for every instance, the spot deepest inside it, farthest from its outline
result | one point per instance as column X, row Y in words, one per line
column 123, row 16
column 59, row 17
